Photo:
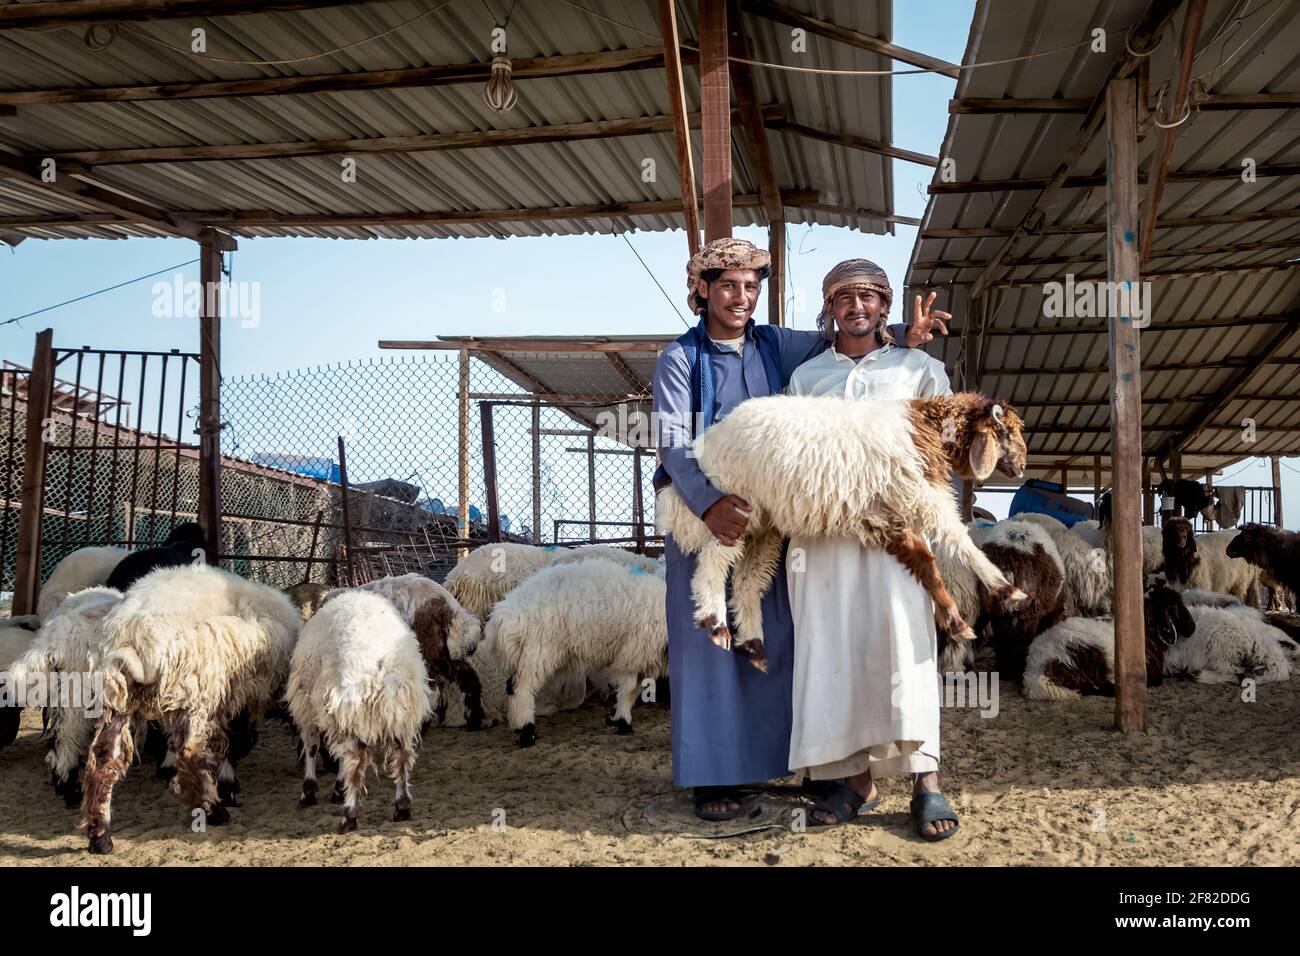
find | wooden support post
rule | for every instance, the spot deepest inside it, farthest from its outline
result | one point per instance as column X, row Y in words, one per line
column 638, row 503
column 1065, row 480
column 715, row 120
column 490, row 472
column 462, row 444
column 1277, row 491
column 1176, row 464
column 971, row 335
column 1126, row 406
column 776, row 281
column 27, row 560
column 347, row 514
column 537, row 473
column 210, row 248
column 1096, row 480
column 681, row 131
column 591, row 487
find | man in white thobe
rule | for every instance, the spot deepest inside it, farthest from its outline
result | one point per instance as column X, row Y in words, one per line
column 866, row 697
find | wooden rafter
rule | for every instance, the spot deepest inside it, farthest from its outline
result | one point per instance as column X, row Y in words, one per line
column 1218, row 101
column 853, row 142
column 681, row 135
column 56, row 14
column 1099, row 179
column 624, row 370
column 1099, row 228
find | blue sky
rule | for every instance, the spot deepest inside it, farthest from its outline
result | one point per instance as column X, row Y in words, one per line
column 325, row 301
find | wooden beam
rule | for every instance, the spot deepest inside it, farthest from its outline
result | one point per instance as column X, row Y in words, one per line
column 421, row 143
column 1097, row 228
column 58, row 14
column 1093, row 181
column 853, row 211
column 715, row 105
column 1168, row 131
column 832, row 31
column 1126, row 408
column 1141, row 39
column 1276, row 462
column 453, row 74
column 1213, row 102
column 27, row 557
column 681, row 133
column 98, row 198
column 210, row 249
column 622, row 368
column 524, row 345
column 1274, row 245
column 1158, row 274
column 1201, row 416
column 853, row 142
column 491, row 491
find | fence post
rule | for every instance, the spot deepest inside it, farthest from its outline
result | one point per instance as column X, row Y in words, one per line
column 537, row 472
column 1277, row 491
column 591, row 487
column 638, row 505
column 210, row 248
column 462, row 475
column 490, row 471
column 27, row 560
column 347, row 514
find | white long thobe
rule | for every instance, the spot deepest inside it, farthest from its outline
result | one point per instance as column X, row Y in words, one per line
column 866, row 694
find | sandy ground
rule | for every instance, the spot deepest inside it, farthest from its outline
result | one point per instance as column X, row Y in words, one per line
column 1215, row 781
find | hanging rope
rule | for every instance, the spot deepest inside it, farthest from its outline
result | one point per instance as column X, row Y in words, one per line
column 500, row 94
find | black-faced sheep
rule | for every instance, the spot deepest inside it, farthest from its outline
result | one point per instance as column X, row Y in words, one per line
column 1204, row 561
column 178, row 550
column 84, row 568
column 1273, row 550
column 578, row 618
column 879, row 472
column 1077, row 656
column 189, row 647
column 358, row 681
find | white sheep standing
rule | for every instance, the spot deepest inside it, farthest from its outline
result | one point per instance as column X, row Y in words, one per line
column 1228, row 646
column 1089, row 531
column 70, row 648
column 1087, row 575
column 84, row 568
column 564, row 691
column 580, row 618
column 878, row 472
column 190, row 647
column 1218, row 572
column 1048, row 523
column 491, row 571
column 358, row 681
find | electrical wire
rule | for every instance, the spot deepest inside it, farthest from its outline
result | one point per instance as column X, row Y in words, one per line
column 59, row 305
column 656, row 281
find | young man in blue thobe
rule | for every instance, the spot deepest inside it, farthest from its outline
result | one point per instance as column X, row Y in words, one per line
column 730, row 721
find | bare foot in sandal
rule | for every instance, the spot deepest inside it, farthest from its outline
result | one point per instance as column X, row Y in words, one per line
column 840, row 807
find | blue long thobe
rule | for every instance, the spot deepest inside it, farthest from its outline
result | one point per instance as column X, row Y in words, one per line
column 730, row 721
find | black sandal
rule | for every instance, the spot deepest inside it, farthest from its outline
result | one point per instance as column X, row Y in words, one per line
column 844, row 803
column 705, row 795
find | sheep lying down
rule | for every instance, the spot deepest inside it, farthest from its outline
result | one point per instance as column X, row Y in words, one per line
column 876, row 471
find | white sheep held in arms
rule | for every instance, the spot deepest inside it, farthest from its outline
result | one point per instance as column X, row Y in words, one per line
column 358, row 680
column 875, row 471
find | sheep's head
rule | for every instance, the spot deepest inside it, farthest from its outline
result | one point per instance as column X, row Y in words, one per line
column 1165, row 620
column 1178, row 546
column 997, row 443
column 1250, row 544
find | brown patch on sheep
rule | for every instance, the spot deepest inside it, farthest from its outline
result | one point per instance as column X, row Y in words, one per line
column 106, row 762
column 431, row 624
column 965, row 418
column 1013, row 630
column 307, row 598
column 1086, row 671
column 1178, row 546
column 910, row 550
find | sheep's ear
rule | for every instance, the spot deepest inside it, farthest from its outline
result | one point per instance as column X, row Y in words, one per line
column 983, row 454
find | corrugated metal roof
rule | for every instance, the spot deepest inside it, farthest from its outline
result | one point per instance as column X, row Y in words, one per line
column 1059, row 379
column 579, row 172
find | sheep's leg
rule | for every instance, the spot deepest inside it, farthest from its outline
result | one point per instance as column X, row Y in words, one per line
column 521, row 704
column 309, row 742
column 627, row 685
column 709, row 589
column 752, row 578
column 106, row 762
column 352, row 771
column 242, row 735
column 196, row 766
column 401, row 760
column 155, row 747
column 913, row 553
column 950, row 533
column 466, row 679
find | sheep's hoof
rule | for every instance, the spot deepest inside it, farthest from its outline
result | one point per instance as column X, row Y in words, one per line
column 101, row 845
column 527, row 735
column 474, row 721
column 348, row 825
column 308, row 796
column 226, row 793
column 401, row 814
column 1015, row 597
column 754, row 652
column 165, row 774
column 337, row 795
column 218, row 816
column 624, row 727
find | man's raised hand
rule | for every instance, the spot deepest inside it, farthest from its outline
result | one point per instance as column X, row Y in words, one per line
column 924, row 320
column 725, row 519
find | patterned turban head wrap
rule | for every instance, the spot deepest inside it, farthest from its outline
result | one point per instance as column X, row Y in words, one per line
column 723, row 254
column 854, row 274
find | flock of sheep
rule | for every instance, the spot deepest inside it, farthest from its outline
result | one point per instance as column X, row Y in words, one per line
column 1201, row 618
column 188, row 660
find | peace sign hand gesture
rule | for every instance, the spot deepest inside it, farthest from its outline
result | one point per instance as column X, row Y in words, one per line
column 924, row 319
